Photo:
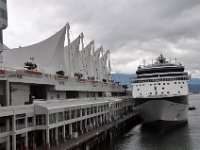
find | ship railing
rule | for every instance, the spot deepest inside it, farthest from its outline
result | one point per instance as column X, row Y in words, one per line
column 160, row 79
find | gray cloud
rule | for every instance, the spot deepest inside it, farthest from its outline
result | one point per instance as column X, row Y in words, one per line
column 133, row 29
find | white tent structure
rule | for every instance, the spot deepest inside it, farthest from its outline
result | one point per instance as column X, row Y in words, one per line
column 48, row 55
column 51, row 56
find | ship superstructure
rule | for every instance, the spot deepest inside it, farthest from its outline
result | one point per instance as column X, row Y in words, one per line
column 161, row 92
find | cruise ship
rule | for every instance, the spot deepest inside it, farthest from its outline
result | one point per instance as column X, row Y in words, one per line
column 160, row 91
column 50, row 93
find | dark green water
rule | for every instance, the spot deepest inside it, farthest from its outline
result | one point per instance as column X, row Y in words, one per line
column 186, row 137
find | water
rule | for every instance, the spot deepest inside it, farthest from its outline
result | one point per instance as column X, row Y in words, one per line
column 186, row 137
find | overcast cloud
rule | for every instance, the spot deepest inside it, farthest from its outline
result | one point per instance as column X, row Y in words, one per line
column 133, row 30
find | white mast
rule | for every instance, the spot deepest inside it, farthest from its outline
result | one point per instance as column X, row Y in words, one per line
column 69, row 48
column 82, row 36
column 109, row 66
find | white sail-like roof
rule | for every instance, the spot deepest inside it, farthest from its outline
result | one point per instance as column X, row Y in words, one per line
column 48, row 54
column 74, row 56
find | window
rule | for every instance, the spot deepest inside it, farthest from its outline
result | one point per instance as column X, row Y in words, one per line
column 174, row 82
column 83, row 112
column 167, row 83
column 60, row 116
column 73, row 114
column 52, row 118
column 163, row 83
column 30, row 121
column 163, row 88
column 78, row 112
column 67, row 116
column 41, row 119
column 167, row 92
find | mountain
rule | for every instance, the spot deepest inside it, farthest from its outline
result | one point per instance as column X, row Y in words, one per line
column 194, row 83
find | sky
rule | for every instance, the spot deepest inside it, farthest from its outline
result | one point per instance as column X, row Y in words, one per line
column 133, row 30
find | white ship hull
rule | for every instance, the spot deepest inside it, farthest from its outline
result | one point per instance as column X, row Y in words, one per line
column 163, row 114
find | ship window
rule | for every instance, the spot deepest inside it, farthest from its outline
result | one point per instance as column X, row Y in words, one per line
column 138, row 89
column 163, row 83
column 158, row 83
column 140, row 93
column 183, row 82
column 174, row 82
column 167, row 92
column 179, row 82
column 163, row 88
column 150, row 84
column 150, row 93
column 181, row 87
column 167, row 83
column 179, row 92
column 162, row 92
column 155, row 88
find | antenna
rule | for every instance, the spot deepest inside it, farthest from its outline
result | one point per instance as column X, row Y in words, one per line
column 144, row 62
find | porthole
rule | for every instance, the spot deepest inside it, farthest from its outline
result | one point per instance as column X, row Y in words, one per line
column 150, row 93
column 179, row 82
column 167, row 83
column 163, row 88
column 167, row 92
column 162, row 93
column 181, row 87
column 183, row 82
column 174, row 82
column 150, row 84
column 163, row 83
column 138, row 89
column 158, row 83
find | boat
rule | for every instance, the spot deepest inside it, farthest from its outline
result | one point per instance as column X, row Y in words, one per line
column 160, row 91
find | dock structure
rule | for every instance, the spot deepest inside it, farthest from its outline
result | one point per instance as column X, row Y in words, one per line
column 101, row 134
column 48, row 124
column 52, row 94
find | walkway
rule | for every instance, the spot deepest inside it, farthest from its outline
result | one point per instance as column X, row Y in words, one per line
column 72, row 143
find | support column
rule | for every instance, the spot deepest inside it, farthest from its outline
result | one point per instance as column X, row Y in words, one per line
column 47, row 139
column 63, row 134
column 14, row 133
column 56, row 135
column 86, row 127
column 7, row 93
column 81, row 126
column 26, row 134
column 44, row 137
column 94, row 122
column 70, row 130
column 8, row 137
column 26, row 141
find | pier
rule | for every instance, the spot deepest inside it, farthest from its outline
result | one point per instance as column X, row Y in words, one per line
column 99, row 135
